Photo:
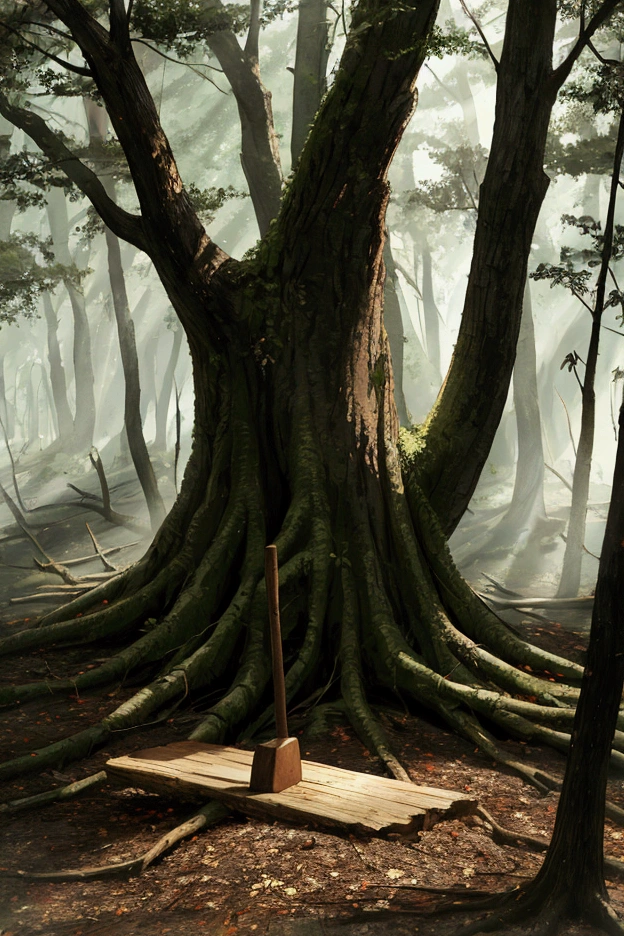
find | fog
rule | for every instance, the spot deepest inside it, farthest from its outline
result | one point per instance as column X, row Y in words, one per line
column 435, row 188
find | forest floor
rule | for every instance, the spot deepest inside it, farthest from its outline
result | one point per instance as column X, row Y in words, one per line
column 243, row 876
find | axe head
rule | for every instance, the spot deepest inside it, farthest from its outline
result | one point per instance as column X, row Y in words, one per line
column 276, row 766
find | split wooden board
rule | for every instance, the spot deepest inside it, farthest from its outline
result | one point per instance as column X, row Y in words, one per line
column 326, row 796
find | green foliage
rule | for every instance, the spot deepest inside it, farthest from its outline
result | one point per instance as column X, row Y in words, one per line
column 566, row 272
column 591, row 155
column 454, row 40
column 91, row 226
column 563, row 275
column 458, row 189
column 181, row 26
column 60, row 83
column 207, row 202
column 33, row 170
column 27, row 269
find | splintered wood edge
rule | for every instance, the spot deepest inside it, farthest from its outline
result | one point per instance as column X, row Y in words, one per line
column 418, row 820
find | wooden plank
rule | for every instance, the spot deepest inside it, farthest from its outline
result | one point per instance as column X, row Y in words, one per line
column 326, row 795
column 325, row 774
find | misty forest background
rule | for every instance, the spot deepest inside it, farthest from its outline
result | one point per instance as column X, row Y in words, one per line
column 57, row 309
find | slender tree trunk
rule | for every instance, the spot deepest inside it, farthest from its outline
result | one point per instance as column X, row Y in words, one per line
column 57, row 375
column 511, row 196
column 310, row 76
column 393, row 322
column 7, row 208
column 259, row 144
column 431, row 313
column 573, row 556
column 84, row 418
column 574, row 862
column 147, row 368
column 164, row 397
column 98, row 121
column 527, row 502
column 132, row 397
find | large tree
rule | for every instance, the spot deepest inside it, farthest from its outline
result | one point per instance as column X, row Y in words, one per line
column 296, row 437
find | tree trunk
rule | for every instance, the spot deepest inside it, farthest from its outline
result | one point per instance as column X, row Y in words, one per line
column 84, row 418
column 7, row 208
column 164, row 397
column 393, row 321
column 98, row 122
column 573, row 868
column 57, row 375
column 431, row 313
column 472, row 399
column 132, row 394
column 260, row 157
column 572, row 559
column 310, row 76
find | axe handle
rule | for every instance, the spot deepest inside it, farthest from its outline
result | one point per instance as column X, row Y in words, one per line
column 279, row 686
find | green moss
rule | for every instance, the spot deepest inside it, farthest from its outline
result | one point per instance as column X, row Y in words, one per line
column 412, row 442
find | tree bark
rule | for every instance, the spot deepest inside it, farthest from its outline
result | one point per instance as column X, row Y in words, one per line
column 572, row 559
column 164, row 397
column 431, row 313
column 393, row 322
column 471, row 401
column 84, row 416
column 57, row 375
column 98, row 121
column 310, row 73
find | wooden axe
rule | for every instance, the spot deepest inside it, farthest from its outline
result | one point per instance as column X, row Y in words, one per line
column 276, row 764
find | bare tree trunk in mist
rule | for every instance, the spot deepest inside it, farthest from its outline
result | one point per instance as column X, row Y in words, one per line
column 575, row 541
column 84, row 416
column 164, row 397
column 57, row 375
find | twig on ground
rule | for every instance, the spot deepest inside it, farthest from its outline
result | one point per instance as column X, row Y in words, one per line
column 80, row 560
column 110, row 566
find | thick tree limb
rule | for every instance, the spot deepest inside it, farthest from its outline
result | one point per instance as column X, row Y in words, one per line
column 125, row 225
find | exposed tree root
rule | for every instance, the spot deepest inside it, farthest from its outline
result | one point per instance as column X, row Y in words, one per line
column 208, row 815
column 541, row 914
column 194, row 610
column 59, row 795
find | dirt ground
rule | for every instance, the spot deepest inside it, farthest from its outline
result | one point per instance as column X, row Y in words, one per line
column 246, row 876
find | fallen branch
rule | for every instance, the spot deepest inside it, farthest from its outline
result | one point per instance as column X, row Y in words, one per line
column 37, row 596
column 59, row 795
column 208, row 815
column 110, row 566
column 80, row 560
column 13, row 473
column 560, row 604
